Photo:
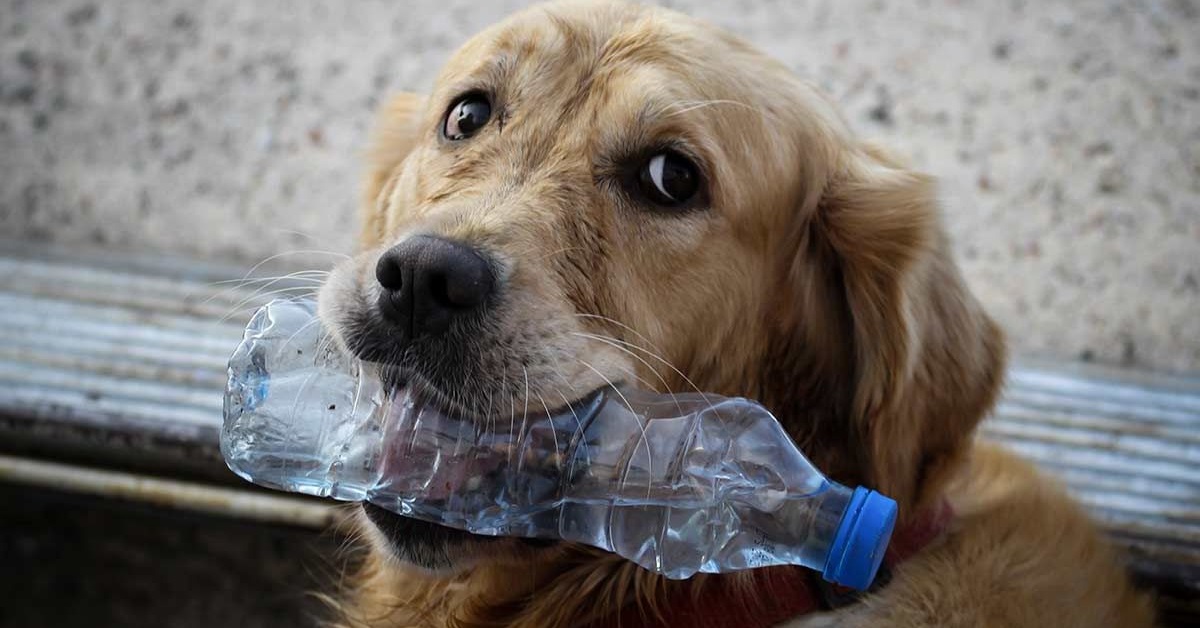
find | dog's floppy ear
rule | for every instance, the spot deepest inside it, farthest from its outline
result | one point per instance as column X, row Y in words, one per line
column 928, row 362
column 395, row 133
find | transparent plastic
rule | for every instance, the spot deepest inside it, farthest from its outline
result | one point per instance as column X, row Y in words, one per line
column 676, row 483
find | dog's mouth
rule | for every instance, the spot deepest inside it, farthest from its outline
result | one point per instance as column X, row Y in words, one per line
column 459, row 375
column 430, row 545
column 399, row 382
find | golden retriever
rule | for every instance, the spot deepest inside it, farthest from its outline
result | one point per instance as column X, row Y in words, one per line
column 598, row 193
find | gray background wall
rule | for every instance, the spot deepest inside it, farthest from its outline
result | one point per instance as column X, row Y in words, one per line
column 1067, row 134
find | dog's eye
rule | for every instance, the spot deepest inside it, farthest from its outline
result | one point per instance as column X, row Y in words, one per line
column 467, row 116
column 668, row 179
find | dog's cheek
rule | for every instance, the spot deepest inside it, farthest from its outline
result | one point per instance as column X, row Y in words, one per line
column 342, row 298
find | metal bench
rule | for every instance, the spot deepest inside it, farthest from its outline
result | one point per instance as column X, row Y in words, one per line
column 112, row 366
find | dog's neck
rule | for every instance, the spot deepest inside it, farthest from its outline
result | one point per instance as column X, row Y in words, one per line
column 579, row 586
column 767, row 597
column 808, row 388
column 576, row 586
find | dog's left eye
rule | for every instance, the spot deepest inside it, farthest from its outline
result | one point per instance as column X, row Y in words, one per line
column 668, row 179
column 466, row 117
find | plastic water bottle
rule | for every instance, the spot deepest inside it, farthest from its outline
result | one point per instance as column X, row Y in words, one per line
column 679, row 484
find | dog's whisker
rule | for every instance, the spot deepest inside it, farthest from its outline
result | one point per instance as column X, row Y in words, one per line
column 542, row 399
column 303, row 327
column 245, row 308
column 645, row 441
column 275, row 280
column 242, row 305
column 691, row 105
column 525, row 414
column 276, row 256
column 618, row 323
column 325, row 343
column 578, row 426
column 254, row 268
column 504, row 384
column 262, row 291
column 633, row 375
column 562, row 250
column 566, row 402
column 651, row 354
column 617, row 344
column 491, row 418
column 300, row 276
column 512, row 416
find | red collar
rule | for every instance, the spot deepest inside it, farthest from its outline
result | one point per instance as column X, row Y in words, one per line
column 770, row 596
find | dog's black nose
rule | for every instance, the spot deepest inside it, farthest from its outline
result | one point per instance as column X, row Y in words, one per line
column 429, row 281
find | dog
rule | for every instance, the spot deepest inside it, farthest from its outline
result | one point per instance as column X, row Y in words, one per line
column 600, row 193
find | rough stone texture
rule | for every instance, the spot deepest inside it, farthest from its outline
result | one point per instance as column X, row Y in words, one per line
column 1067, row 134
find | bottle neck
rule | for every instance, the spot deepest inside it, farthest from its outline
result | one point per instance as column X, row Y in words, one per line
column 832, row 509
column 818, row 518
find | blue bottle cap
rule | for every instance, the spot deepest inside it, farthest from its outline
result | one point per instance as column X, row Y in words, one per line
column 861, row 540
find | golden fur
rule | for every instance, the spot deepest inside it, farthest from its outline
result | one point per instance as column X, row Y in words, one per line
column 817, row 280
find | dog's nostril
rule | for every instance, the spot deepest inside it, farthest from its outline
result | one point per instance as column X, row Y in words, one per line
column 388, row 272
column 465, row 281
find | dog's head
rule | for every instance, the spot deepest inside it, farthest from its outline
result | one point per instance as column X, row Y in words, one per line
column 597, row 193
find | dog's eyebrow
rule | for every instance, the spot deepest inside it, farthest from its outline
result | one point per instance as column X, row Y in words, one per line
column 684, row 106
column 652, row 128
column 500, row 69
column 492, row 77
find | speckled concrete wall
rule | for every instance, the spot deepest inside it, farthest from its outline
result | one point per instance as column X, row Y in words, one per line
column 1067, row 134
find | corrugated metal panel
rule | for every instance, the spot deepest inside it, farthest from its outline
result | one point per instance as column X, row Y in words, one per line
column 1128, row 446
column 121, row 359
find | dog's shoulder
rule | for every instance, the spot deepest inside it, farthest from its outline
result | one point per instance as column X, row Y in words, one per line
column 1020, row 553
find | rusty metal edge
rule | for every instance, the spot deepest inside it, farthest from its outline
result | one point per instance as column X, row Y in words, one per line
column 168, row 493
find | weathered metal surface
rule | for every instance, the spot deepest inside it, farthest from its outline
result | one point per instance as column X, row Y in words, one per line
column 121, row 361
column 1127, row 445
column 1128, row 451
column 173, row 494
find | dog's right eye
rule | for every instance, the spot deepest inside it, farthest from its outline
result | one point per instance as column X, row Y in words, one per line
column 668, row 179
column 466, row 117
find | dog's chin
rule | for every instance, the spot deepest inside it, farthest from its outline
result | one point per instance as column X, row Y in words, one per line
column 441, row 551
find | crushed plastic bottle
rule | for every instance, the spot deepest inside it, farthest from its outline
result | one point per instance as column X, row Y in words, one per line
column 679, row 484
